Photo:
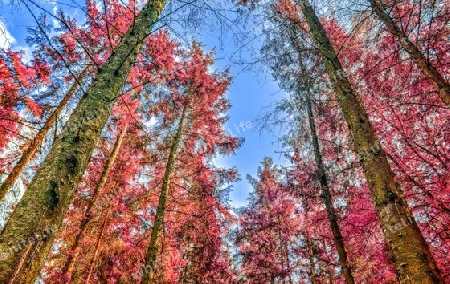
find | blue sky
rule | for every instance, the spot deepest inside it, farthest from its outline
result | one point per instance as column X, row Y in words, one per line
column 248, row 94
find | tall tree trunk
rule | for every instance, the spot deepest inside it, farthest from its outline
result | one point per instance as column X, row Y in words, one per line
column 75, row 249
column 97, row 249
column 312, row 264
column 39, row 138
column 326, row 196
column 152, row 250
column 321, row 175
column 48, row 197
column 432, row 74
column 408, row 249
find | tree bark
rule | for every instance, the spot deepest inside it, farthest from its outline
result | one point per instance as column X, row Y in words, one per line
column 430, row 72
column 312, row 265
column 321, row 175
column 39, row 138
column 97, row 249
column 49, row 195
column 326, row 196
column 152, row 250
column 408, row 249
column 75, row 249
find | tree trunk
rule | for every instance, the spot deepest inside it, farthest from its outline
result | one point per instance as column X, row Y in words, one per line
column 39, row 138
column 326, row 196
column 97, row 249
column 408, row 249
column 75, row 249
column 321, row 175
column 312, row 265
column 48, row 197
column 159, row 217
column 430, row 72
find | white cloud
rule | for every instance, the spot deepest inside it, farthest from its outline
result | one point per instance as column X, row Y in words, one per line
column 56, row 23
column 6, row 39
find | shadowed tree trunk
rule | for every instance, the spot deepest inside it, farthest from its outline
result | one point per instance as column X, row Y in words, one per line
column 321, row 175
column 72, row 259
column 430, row 72
column 326, row 196
column 48, row 197
column 408, row 249
column 152, row 250
column 28, row 154
column 312, row 264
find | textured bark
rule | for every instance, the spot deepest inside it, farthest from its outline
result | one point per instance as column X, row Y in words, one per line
column 28, row 154
column 152, row 250
column 75, row 249
column 321, row 175
column 408, row 249
column 432, row 74
column 47, row 199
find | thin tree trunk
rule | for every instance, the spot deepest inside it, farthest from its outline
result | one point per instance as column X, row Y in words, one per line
column 75, row 249
column 97, row 249
column 49, row 195
column 312, row 264
column 408, row 249
column 430, row 72
column 152, row 250
column 28, row 154
column 326, row 196
column 322, row 176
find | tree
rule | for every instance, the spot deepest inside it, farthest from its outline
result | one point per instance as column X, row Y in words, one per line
column 88, row 213
column 298, row 70
column 409, row 117
column 62, row 52
column 269, row 230
column 48, row 196
column 38, row 139
column 201, row 235
column 160, row 212
column 419, row 58
column 69, row 265
column 201, row 100
column 18, row 79
column 386, row 193
column 321, row 174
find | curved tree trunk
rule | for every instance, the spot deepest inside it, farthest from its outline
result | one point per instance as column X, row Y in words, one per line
column 408, row 249
column 28, row 154
column 48, row 197
column 152, row 250
column 430, row 72
column 75, row 249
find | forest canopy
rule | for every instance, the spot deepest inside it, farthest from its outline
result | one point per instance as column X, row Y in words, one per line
column 120, row 161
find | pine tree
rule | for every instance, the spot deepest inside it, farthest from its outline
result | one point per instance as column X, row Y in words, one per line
column 37, row 141
column 321, row 174
column 47, row 198
column 417, row 56
column 409, row 261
